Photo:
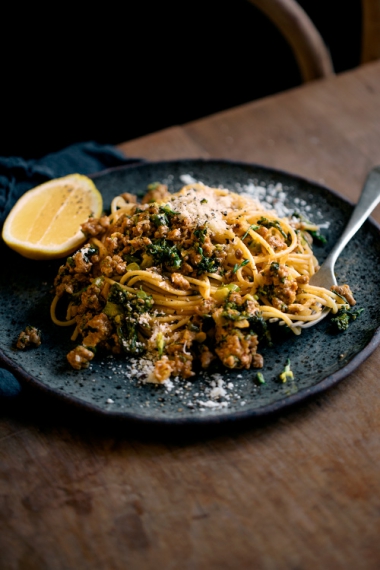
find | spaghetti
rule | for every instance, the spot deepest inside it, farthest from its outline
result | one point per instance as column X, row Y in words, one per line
column 187, row 279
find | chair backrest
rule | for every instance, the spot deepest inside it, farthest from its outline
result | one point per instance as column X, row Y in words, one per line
column 370, row 49
column 309, row 49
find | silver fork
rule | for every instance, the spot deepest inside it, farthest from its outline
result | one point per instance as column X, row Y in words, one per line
column 325, row 277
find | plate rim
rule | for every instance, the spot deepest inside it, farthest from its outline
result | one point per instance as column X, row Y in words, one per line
column 214, row 418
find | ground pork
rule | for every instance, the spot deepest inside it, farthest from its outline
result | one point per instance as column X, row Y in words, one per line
column 283, row 286
column 129, row 198
column 80, row 357
column 110, row 265
column 180, row 281
column 158, row 193
column 98, row 329
column 82, row 265
column 237, row 351
column 29, row 338
column 95, row 226
column 346, row 292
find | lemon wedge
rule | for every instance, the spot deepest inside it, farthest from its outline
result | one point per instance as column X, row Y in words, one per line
column 45, row 222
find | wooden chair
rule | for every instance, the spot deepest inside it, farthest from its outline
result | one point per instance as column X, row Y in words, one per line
column 310, row 51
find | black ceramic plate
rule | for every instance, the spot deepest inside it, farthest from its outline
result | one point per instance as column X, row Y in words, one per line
column 318, row 357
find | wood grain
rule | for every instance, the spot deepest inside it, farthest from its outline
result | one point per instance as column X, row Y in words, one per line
column 300, row 491
column 172, row 143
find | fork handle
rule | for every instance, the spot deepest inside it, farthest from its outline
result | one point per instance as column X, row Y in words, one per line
column 369, row 198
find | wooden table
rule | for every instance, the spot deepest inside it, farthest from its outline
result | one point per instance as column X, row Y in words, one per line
column 301, row 491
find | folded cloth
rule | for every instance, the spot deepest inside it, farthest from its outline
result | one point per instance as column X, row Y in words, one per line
column 18, row 175
column 9, row 387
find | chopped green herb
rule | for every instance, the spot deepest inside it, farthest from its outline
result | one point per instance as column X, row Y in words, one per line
column 274, row 267
column 318, row 237
column 260, row 378
column 167, row 210
column 315, row 234
column 131, row 259
column 160, row 220
column 200, row 233
column 238, row 265
column 252, row 227
column 207, row 264
column 272, row 224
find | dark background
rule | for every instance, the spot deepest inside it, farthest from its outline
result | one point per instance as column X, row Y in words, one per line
column 115, row 73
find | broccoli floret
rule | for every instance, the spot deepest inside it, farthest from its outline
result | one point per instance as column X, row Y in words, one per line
column 122, row 308
column 118, row 295
column 139, row 302
column 163, row 252
column 127, row 334
column 343, row 318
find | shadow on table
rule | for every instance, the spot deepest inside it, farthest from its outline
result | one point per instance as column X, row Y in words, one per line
column 37, row 409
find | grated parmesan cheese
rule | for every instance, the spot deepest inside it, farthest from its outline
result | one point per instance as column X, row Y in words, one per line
column 187, row 179
column 201, row 206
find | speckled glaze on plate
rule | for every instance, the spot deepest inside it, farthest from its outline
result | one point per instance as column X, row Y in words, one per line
column 319, row 359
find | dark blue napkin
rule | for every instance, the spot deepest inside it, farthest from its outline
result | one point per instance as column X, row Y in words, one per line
column 18, row 175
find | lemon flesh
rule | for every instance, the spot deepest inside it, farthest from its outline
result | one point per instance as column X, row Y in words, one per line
column 45, row 223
